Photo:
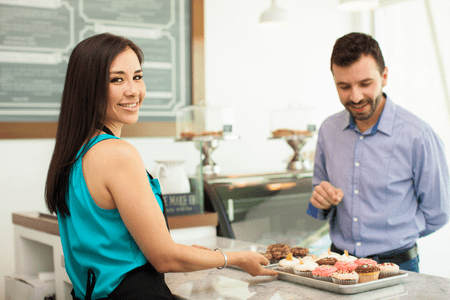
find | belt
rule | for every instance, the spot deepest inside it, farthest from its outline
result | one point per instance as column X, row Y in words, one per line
column 397, row 256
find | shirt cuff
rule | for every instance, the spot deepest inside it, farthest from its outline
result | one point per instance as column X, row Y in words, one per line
column 319, row 214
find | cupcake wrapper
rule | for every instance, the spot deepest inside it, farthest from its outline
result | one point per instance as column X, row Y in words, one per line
column 304, row 273
column 287, row 269
column 367, row 278
column 345, row 281
column 384, row 274
column 323, row 278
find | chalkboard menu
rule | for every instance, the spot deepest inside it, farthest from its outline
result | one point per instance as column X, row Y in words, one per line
column 37, row 37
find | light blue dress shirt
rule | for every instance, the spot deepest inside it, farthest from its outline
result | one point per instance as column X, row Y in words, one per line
column 394, row 177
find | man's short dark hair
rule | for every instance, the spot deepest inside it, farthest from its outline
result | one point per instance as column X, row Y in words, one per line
column 349, row 48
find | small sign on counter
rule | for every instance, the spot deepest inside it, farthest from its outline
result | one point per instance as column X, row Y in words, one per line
column 182, row 204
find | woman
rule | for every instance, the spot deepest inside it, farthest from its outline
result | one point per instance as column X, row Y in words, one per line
column 110, row 211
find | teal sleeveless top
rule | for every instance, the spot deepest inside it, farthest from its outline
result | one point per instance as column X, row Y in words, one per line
column 96, row 238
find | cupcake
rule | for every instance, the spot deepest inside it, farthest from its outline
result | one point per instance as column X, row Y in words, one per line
column 388, row 269
column 329, row 254
column 345, row 266
column 299, row 251
column 327, row 261
column 345, row 277
column 365, row 261
column 287, row 264
column 367, row 273
column 324, row 273
column 346, row 257
column 277, row 252
column 305, row 268
column 312, row 258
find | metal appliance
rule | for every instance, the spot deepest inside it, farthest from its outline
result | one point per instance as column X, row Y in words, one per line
column 265, row 208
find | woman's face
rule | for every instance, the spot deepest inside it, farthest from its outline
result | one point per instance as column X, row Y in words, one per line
column 126, row 91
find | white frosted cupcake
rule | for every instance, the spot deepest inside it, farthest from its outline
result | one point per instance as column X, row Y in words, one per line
column 329, row 254
column 305, row 268
column 345, row 277
column 311, row 258
column 388, row 269
column 347, row 258
column 287, row 264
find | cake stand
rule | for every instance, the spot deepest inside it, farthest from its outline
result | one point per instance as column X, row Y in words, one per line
column 296, row 141
column 207, row 145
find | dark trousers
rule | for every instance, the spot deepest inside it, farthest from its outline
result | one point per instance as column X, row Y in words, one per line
column 140, row 284
column 406, row 259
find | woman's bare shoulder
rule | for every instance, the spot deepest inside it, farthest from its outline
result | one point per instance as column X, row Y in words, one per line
column 114, row 152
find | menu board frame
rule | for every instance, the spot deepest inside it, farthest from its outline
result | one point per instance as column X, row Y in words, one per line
column 159, row 128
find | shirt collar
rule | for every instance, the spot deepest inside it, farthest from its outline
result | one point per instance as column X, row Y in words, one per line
column 384, row 123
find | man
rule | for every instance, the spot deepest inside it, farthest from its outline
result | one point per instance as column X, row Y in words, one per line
column 380, row 173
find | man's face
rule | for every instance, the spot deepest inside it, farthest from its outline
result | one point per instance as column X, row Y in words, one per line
column 360, row 88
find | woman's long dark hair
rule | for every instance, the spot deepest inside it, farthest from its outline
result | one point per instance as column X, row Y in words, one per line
column 83, row 108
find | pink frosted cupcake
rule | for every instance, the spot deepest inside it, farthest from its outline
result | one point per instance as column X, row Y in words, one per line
column 324, row 273
column 365, row 261
column 345, row 266
column 345, row 277
column 388, row 269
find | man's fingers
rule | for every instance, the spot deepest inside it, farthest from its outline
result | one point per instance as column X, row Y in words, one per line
column 329, row 189
column 325, row 195
column 339, row 194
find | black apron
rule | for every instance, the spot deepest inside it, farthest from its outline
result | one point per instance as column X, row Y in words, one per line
column 139, row 284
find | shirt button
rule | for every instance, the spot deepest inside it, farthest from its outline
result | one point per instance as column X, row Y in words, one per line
column 355, row 219
column 358, row 244
column 357, row 164
column 361, row 137
column 356, row 191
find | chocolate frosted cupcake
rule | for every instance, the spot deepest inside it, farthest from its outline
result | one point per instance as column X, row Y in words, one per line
column 330, row 261
column 299, row 251
column 367, row 272
column 277, row 252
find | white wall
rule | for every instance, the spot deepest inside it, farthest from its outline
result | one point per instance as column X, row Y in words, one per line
column 250, row 69
column 257, row 70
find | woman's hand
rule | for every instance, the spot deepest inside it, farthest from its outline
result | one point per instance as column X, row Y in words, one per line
column 251, row 262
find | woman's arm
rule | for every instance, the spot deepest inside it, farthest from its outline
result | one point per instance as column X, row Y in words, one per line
column 124, row 176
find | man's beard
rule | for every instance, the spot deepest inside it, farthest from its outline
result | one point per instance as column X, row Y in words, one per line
column 349, row 105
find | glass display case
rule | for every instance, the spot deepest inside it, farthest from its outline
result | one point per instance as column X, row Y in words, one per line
column 205, row 125
column 266, row 208
column 202, row 121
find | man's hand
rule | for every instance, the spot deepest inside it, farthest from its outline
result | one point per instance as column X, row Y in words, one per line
column 325, row 196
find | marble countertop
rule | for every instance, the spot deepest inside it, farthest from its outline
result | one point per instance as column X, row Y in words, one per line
column 231, row 283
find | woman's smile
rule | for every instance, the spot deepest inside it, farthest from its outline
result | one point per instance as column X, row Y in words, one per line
column 130, row 105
